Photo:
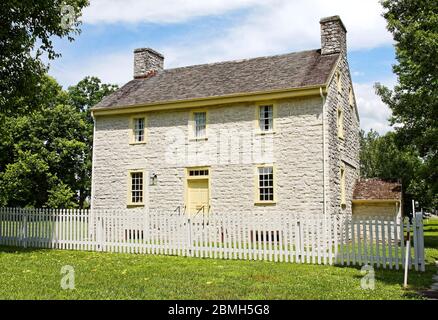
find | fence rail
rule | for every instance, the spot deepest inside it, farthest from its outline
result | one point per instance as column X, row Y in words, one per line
column 282, row 237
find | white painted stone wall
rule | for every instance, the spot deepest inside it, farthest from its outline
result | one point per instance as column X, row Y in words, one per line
column 296, row 154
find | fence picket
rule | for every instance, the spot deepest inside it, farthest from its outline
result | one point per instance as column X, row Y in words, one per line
column 285, row 237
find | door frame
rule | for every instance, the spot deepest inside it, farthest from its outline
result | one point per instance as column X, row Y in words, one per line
column 186, row 185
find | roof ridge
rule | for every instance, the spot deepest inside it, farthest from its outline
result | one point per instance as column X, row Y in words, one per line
column 239, row 60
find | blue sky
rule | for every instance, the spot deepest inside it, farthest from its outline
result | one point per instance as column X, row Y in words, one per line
column 197, row 31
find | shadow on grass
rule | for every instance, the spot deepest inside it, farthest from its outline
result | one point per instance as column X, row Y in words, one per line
column 417, row 281
column 12, row 249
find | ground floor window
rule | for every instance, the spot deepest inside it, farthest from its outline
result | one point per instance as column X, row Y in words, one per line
column 136, row 188
column 265, row 188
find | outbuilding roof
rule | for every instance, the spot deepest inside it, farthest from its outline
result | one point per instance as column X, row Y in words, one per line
column 377, row 189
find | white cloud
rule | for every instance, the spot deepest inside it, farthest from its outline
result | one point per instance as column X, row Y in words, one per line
column 269, row 26
column 374, row 114
column 158, row 11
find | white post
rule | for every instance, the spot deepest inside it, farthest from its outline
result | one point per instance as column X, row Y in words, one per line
column 407, row 255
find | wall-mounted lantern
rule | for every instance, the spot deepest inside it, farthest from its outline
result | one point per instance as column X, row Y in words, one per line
column 153, row 179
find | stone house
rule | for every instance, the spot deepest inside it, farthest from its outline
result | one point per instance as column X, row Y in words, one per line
column 268, row 134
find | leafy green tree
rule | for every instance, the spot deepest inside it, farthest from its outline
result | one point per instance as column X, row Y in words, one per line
column 27, row 30
column 50, row 148
column 380, row 157
column 414, row 100
column 83, row 96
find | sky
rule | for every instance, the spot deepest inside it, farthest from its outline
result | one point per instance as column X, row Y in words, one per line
column 191, row 32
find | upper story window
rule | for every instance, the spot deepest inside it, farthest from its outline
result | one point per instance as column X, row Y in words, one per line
column 351, row 96
column 266, row 118
column 265, row 185
column 138, row 130
column 342, row 183
column 340, row 122
column 136, row 180
column 339, row 82
column 198, row 124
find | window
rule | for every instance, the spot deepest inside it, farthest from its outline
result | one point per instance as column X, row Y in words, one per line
column 340, row 122
column 266, row 118
column 198, row 172
column 351, row 96
column 138, row 130
column 343, row 198
column 136, row 188
column 199, row 128
column 339, row 81
column 265, row 186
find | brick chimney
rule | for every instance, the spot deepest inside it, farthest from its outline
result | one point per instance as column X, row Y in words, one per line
column 333, row 36
column 147, row 62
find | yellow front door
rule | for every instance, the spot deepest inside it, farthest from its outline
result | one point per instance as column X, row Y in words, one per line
column 198, row 199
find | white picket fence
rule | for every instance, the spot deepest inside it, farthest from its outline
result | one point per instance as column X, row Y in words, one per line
column 282, row 237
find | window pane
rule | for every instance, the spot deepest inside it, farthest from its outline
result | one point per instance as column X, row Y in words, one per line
column 266, row 184
column 139, row 129
column 200, row 123
column 266, row 118
column 137, row 187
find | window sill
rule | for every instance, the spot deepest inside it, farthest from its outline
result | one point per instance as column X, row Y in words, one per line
column 135, row 205
column 137, row 143
column 265, row 203
column 198, row 139
column 265, row 133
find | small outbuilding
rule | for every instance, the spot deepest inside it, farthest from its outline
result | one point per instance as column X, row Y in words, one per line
column 376, row 197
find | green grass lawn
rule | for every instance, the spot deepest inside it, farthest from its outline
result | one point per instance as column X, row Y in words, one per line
column 35, row 274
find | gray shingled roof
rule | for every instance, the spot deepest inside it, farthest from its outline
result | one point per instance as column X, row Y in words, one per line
column 287, row 71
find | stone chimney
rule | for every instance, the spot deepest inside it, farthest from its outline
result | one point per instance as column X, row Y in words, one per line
column 147, row 62
column 333, row 36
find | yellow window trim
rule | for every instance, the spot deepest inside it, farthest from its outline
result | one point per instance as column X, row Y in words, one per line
column 257, row 200
column 351, row 97
column 338, row 81
column 340, row 122
column 129, row 184
column 342, row 174
column 257, row 117
column 132, row 126
column 188, row 177
column 191, row 124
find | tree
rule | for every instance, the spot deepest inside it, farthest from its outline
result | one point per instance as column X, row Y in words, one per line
column 414, row 100
column 380, row 157
column 50, row 148
column 27, row 29
column 84, row 95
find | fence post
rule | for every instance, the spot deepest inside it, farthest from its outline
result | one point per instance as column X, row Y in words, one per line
column 189, row 237
column 419, row 236
column 24, row 235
